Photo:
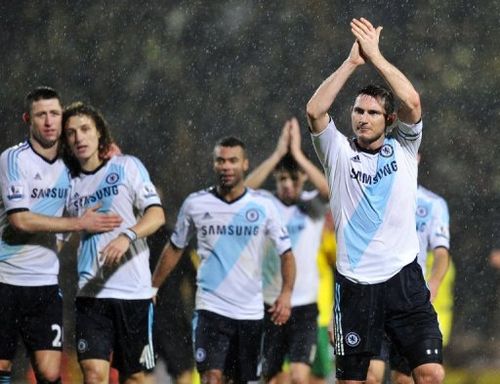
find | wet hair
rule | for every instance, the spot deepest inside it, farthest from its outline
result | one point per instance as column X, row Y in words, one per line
column 381, row 92
column 40, row 93
column 231, row 141
column 105, row 140
column 288, row 164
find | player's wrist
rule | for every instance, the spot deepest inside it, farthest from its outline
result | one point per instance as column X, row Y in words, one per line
column 129, row 234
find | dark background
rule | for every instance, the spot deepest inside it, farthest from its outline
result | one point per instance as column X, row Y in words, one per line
column 172, row 77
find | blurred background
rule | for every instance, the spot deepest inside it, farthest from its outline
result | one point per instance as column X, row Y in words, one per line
column 172, row 77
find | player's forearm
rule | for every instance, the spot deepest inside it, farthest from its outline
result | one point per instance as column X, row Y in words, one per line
column 314, row 174
column 168, row 260
column 288, row 271
column 153, row 219
column 410, row 110
column 439, row 267
column 319, row 104
column 259, row 175
column 30, row 222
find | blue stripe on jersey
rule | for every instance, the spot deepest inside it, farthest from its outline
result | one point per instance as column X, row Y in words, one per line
column 228, row 248
column 142, row 170
column 7, row 251
column 369, row 215
column 13, row 161
column 56, row 198
column 295, row 226
column 88, row 255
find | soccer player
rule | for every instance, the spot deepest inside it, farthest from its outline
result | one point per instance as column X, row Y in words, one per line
column 379, row 285
column 34, row 184
column 303, row 213
column 232, row 224
column 113, row 304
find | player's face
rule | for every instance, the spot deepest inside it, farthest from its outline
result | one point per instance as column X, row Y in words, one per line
column 289, row 185
column 368, row 121
column 83, row 138
column 230, row 165
column 45, row 122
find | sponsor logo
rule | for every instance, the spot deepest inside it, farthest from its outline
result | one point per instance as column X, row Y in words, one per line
column 356, row 159
column 200, row 355
column 149, row 191
column 352, row 339
column 386, row 150
column 364, row 178
column 84, row 201
column 54, row 193
column 16, row 192
column 238, row 230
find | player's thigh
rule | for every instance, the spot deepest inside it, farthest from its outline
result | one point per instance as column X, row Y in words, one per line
column 9, row 331
column 212, row 339
column 248, row 352
column 94, row 330
column 41, row 325
column 132, row 351
column 303, row 333
column 274, row 346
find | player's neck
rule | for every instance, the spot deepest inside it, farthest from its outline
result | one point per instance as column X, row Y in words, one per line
column 91, row 164
column 231, row 194
column 49, row 153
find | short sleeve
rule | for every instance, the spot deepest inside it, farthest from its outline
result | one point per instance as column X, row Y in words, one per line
column 143, row 190
column 14, row 186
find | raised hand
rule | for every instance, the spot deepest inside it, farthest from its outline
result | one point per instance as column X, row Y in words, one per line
column 367, row 36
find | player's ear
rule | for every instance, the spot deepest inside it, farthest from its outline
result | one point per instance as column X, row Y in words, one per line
column 390, row 119
column 26, row 117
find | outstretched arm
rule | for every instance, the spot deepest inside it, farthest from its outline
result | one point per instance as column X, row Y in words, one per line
column 368, row 38
column 315, row 176
column 91, row 221
column 257, row 177
column 319, row 104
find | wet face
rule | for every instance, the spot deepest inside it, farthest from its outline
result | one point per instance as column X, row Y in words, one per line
column 368, row 120
column 230, row 165
column 82, row 138
column 289, row 185
column 45, row 122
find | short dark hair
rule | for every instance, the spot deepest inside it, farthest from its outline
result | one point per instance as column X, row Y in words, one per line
column 231, row 141
column 379, row 91
column 105, row 141
column 288, row 164
column 42, row 92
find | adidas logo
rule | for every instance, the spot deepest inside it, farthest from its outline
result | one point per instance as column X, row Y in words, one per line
column 356, row 159
column 38, row 177
column 207, row 215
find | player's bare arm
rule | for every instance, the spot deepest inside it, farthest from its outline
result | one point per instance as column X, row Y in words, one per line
column 315, row 175
column 91, row 221
column 257, row 177
column 322, row 100
column 281, row 309
column 368, row 38
column 169, row 258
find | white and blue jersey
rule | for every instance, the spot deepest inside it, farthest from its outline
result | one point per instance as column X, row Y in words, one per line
column 231, row 239
column 304, row 222
column 373, row 198
column 433, row 223
column 122, row 186
column 30, row 182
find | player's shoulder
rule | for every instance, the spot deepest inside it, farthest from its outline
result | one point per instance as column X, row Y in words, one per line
column 309, row 195
column 261, row 195
column 15, row 151
column 201, row 195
